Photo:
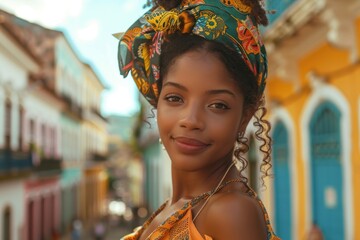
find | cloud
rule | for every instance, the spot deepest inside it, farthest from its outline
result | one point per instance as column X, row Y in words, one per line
column 89, row 32
column 47, row 13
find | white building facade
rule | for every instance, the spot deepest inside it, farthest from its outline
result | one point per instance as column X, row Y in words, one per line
column 16, row 66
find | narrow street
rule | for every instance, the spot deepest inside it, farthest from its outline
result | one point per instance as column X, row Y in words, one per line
column 116, row 233
column 112, row 233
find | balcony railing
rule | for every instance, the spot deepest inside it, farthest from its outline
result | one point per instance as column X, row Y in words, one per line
column 14, row 163
column 72, row 107
column 48, row 166
column 17, row 164
column 98, row 157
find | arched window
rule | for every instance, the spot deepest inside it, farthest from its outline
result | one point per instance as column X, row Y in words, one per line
column 30, row 220
column 32, row 133
column 44, row 139
column 7, row 224
column 53, row 213
column 42, row 218
column 325, row 133
column 7, row 123
column 21, row 127
column 326, row 171
column 282, row 182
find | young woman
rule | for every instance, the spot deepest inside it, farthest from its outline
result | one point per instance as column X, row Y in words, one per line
column 202, row 65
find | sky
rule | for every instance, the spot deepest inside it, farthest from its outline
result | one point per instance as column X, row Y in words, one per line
column 89, row 25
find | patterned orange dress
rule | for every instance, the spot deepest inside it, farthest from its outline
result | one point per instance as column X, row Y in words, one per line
column 180, row 226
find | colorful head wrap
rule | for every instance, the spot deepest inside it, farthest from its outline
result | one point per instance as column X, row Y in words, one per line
column 226, row 21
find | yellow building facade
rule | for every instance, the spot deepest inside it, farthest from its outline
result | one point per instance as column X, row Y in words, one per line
column 313, row 98
column 94, row 191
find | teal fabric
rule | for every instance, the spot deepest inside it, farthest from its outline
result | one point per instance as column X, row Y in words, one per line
column 227, row 21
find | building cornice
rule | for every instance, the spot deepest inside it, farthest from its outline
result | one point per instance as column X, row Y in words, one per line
column 12, row 46
column 304, row 27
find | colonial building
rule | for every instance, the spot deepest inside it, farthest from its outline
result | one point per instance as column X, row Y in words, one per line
column 313, row 96
column 50, row 98
column 70, row 85
column 17, row 64
column 95, row 145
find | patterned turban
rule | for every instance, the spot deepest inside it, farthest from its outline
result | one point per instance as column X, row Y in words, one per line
column 226, row 21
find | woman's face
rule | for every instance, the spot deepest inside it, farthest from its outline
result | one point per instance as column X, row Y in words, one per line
column 199, row 111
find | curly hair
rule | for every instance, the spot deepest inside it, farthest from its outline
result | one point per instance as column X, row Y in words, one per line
column 179, row 44
column 261, row 134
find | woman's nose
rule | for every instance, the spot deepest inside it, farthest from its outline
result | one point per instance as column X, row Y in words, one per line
column 192, row 117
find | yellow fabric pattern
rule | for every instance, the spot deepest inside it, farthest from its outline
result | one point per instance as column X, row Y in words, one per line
column 179, row 226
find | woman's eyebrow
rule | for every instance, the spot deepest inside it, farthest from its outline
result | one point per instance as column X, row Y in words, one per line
column 221, row 91
column 173, row 84
column 210, row 92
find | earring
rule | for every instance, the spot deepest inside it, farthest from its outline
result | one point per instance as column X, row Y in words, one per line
column 161, row 143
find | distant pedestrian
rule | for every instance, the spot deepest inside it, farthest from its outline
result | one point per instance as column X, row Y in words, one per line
column 99, row 231
column 315, row 233
column 76, row 230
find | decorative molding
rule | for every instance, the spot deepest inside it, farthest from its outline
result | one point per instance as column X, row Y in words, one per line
column 340, row 19
column 9, row 47
column 316, row 81
column 300, row 13
column 305, row 26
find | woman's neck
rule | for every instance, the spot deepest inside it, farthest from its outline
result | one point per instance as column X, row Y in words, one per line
column 187, row 185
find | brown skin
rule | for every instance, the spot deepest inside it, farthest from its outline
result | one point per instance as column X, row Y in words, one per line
column 231, row 214
column 199, row 113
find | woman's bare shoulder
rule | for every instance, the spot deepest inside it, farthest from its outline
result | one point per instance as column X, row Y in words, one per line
column 235, row 215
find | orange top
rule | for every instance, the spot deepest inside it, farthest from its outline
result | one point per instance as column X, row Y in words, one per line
column 181, row 226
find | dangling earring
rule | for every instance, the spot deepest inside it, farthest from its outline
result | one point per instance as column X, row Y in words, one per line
column 240, row 137
column 161, row 143
column 241, row 142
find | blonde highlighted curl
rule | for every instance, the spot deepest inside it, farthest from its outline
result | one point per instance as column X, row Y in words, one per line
column 262, row 134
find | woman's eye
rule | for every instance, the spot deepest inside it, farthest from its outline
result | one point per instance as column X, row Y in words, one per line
column 173, row 98
column 221, row 106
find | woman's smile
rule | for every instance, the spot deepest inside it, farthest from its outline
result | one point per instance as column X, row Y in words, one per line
column 187, row 145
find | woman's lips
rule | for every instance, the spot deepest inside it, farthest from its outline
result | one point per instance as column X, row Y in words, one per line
column 189, row 145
